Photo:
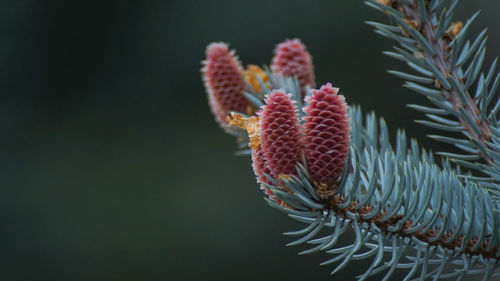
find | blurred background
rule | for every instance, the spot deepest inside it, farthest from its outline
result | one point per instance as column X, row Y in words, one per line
column 112, row 165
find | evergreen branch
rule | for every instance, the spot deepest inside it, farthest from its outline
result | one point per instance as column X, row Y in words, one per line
column 438, row 49
column 395, row 201
column 430, row 221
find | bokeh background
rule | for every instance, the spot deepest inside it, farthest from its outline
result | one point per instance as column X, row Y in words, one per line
column 112, row 166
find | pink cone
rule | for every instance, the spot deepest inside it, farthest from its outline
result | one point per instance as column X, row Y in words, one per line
column 224, row 82
column 292, row 59
column 280, row 134
column 327, row 134
column 260, row 169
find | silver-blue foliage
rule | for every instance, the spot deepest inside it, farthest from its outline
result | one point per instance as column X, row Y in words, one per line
column 430, row 220
column 395, row 201
column 448, row 71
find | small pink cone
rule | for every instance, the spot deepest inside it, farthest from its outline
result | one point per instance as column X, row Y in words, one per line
column 292, row 59
column 224, row 83
column 280, row 134
column 327, row 134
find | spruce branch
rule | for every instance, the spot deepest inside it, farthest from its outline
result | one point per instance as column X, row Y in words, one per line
column 405, row 211
column 439, row 52
column 432, row 222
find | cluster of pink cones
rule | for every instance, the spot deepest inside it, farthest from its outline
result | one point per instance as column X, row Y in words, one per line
column 278, row 137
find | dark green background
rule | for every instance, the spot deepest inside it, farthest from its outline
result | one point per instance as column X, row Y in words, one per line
column 112, row 166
